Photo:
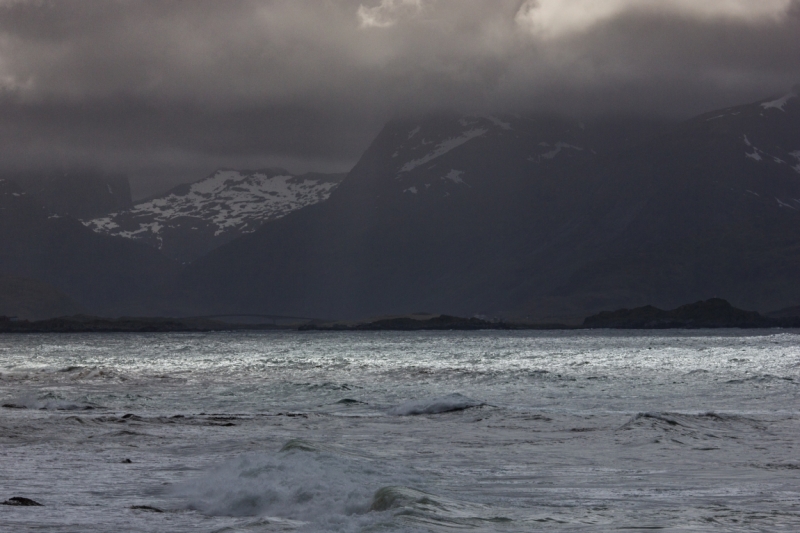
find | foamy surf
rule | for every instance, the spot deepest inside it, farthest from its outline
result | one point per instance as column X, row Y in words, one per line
column 313, row 490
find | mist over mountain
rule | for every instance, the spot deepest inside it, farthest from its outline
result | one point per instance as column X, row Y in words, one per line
column 508, row 158
column 166, row 93
column 534, row 216
column 79, row 193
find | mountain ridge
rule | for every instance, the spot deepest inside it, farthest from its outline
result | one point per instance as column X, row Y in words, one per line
column 192, row 219
column 525, row 217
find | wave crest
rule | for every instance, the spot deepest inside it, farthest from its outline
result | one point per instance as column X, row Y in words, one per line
column 432, row 406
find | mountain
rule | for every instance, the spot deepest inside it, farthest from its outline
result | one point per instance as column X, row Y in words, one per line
column 192, row 219
column 59, row 256
column 713, row 313
column 77, row 193
column 710, row 208
column 33, row 300
column 445, row 213
column 535, row 217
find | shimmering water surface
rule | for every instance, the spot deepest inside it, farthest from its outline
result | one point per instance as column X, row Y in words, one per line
column 379, row 431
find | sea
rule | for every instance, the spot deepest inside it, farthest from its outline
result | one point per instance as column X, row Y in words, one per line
column 401, row 431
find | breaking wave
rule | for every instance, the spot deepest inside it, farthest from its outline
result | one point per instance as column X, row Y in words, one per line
column 311, row 487
column 48, row 402
column 432, row 406
column 314, row 489
column 688, row 429
column 432, row 510
column 69, row 374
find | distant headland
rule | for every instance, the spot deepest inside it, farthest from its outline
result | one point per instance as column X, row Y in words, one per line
column 708, row 314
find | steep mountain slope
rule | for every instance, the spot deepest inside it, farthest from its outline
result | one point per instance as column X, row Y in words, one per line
column 709, row 209
column 100, row 274
column 192, row 219
column 538, row 217
column 439, row 214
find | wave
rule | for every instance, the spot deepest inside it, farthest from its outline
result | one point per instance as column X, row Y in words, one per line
column 310, row 487
column 429, row 509
column 302, row 445
column 68, row 374
column 762, row 378
column 47, row 403
column 688, row 429
column 432, row 406
column 316, row 491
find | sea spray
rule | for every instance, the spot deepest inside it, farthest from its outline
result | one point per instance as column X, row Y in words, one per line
column 319, row 489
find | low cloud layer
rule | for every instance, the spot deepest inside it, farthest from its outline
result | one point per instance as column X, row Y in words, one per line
column 168, row 90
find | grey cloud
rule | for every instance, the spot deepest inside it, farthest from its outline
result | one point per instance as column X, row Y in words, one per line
column 171, row 89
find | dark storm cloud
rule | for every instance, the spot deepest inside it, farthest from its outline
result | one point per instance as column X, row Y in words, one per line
column 169, row 90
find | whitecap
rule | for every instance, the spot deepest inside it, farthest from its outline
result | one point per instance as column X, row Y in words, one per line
column 315, row 491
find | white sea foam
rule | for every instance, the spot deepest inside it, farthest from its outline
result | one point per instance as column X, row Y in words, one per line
column 317, row 491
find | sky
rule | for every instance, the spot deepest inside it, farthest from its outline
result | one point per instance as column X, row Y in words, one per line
column 166, row 91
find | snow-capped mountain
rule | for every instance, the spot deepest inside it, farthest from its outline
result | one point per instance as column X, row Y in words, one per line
column 434, row 215
column 192, row 219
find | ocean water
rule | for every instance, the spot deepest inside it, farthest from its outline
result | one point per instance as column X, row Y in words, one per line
column 388, row 432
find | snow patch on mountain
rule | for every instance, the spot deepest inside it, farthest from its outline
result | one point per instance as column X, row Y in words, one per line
column 780, row 102
column 796, row 155
column 499, row 123
column 758, row 155
column 226, row 201
column 754, row 156
column 553, row 150
column 557, row 149
column 444, row 147
column 455, row 177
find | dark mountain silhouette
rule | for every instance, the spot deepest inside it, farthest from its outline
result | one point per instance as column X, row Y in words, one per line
column 708, row 209
column 538, row 217
column 97, row 273
column 713, row 313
